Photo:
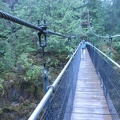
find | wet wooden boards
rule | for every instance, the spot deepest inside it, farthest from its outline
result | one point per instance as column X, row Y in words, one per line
column 89, row 101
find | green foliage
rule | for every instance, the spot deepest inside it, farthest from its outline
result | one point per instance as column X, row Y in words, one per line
column 61, row 17
column 23, row 47
column 31, row 72
column 52, row 63
column 3, row 6
column 24, row 61
column 96, row 12
column 117, row 54
column 6, row 57
column 117, row 46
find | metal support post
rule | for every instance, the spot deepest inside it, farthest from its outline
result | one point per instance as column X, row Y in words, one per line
column 43, row 43
column 69, row 40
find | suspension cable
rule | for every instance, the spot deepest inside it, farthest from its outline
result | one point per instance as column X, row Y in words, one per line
column 27, row 24
column 43, row 43
column 17, row 20
column 100, row 36
column 97, row 35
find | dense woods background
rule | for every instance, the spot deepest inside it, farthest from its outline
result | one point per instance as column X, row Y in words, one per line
column 21, row 57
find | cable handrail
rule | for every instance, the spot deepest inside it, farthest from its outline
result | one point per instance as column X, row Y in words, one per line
column 106, row 36
column 27, row 24
column 100, row 36
column 97, row 35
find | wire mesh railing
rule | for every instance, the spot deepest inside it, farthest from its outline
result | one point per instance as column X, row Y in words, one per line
column 108, row 72
column 57, row 102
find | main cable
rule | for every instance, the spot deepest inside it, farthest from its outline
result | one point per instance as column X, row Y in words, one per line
column 27, row 24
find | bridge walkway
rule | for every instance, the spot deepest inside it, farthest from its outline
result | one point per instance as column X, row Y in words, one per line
column 89, row 101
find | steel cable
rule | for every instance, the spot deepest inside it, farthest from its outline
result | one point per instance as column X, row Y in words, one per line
column 27, row 24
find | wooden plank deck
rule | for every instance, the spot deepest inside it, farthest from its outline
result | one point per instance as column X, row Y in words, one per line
column 89, row 101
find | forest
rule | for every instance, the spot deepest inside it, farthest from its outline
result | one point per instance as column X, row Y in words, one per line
column 21, row 57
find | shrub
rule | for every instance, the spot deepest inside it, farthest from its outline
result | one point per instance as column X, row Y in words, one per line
column 32, row 72
column 6, row 57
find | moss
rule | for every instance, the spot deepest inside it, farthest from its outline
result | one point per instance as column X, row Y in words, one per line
column 1, row 111
column 30, row 89
column 7, row 109
column 26, row 103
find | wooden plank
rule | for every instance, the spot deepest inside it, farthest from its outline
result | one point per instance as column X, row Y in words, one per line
column 89, row 101
column 90, row 117
column 91, row 110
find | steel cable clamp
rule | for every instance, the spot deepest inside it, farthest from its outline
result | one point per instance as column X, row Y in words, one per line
column 51, row 86
column 42, row 34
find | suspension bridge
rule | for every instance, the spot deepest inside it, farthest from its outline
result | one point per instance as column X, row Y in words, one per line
column 86, row 89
